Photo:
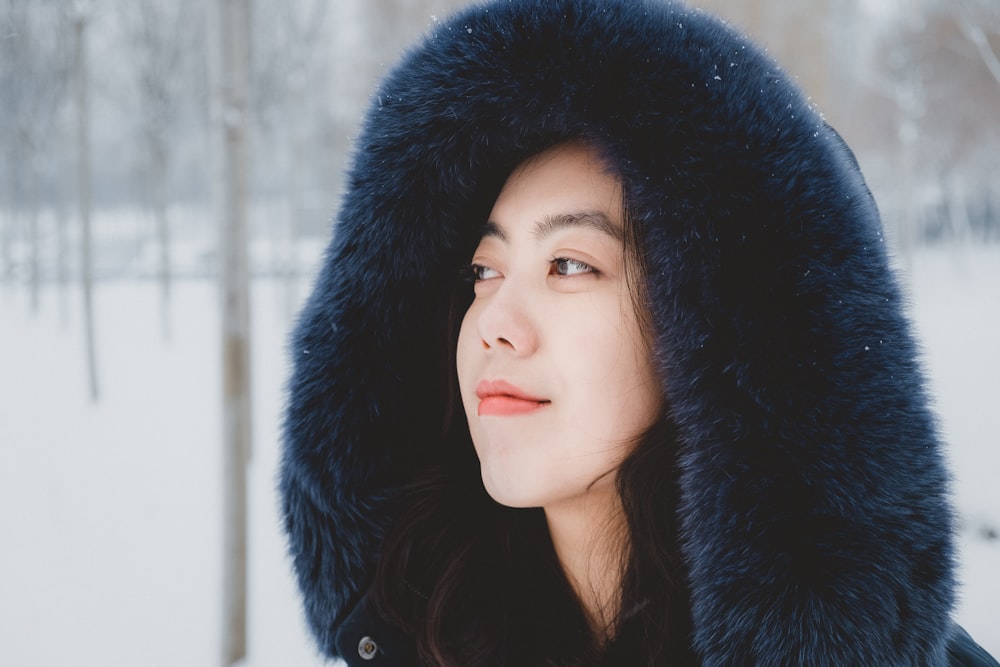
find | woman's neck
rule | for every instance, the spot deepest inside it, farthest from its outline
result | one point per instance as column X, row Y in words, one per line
column 590, row 537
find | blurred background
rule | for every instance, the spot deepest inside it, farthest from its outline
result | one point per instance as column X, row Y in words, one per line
column 156, row 214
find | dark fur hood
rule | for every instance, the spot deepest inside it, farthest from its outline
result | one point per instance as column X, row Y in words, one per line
column 814, row 520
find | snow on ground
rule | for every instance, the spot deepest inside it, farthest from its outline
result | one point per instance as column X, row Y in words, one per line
column 955, row 296
column 110, row 514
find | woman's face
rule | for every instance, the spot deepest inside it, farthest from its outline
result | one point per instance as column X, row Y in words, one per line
column 555, row 374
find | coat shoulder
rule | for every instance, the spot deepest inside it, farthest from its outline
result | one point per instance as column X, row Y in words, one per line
column 963, row 651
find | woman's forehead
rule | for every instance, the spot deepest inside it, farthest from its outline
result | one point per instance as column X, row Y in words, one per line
column 565, row 186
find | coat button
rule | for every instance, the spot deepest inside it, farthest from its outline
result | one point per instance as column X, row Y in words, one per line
column 367, row 648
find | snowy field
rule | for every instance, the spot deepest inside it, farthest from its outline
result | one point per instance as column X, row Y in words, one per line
column 110, row 514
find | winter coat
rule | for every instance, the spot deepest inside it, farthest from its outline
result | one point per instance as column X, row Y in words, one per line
column 815, row 522
column 365, row 640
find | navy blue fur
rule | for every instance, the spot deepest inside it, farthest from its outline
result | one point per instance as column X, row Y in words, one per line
column 815, row 524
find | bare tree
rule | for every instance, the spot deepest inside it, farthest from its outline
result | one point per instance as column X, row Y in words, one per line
column 34, row 72
column 973, row 179
column 81, row 13
column 951, row 52
column 62, row 260
column 162, row 41
column 289, row 100
column 908, row 91
column 980, row 21
column 230, row 74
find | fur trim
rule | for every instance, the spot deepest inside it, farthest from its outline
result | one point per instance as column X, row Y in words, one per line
column 814, row 516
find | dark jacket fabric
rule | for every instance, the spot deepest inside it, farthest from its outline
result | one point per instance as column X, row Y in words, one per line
column 366, row 640
column 815, row 523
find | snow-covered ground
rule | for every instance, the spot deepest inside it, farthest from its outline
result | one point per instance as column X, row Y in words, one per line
column 955, row 297
column 110, row 514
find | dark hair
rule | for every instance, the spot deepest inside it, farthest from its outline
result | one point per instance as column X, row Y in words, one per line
column 477, row 583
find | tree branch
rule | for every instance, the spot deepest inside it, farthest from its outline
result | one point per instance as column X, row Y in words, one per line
column 978, row 38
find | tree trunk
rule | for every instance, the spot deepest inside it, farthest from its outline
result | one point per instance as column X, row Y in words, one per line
column 296, row 141
column 7, row 240
column 83, row 192
column 958, row 208
column 34, row 239
column 62, row 259
column 162, row 234
column 32, row 206
column 230, row 70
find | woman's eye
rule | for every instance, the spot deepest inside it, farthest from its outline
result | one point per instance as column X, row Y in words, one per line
column 480, row 272
column 563, row 266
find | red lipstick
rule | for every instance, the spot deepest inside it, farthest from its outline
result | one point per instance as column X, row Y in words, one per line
column 498, row 398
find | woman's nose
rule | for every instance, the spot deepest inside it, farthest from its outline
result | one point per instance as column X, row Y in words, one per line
column 505, row 324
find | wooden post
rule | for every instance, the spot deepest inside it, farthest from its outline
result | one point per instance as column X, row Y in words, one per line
column 230, row 70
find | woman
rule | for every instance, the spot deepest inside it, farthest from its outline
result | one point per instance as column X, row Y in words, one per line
column 606, row 365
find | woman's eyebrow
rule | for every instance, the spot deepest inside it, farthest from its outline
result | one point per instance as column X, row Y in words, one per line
column 595, row 220
column 495, row 230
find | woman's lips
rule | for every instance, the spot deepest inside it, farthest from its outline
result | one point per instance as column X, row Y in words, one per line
column 498, row 398
column 503, row 406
